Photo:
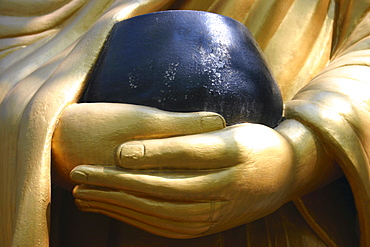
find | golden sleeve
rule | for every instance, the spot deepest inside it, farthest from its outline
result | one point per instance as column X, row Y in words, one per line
column 319, row 54
column 41, row 73
column 336, row 103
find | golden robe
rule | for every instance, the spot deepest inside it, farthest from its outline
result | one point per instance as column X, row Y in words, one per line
column 318, row 50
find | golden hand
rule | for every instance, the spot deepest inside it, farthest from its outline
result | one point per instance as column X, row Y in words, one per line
column 90, row 133
column 189, row 186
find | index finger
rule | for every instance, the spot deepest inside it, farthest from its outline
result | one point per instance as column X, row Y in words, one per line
column 128, row 122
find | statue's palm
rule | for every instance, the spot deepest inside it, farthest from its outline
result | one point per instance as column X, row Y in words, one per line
column 192, row 185
column 185, row 174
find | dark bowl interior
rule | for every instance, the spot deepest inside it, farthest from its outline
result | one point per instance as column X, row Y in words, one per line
column 186, row 61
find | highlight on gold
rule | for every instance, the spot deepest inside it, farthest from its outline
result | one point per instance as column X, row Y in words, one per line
column 184, row 123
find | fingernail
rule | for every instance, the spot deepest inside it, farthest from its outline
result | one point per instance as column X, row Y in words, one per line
column 79, row 176
column 131, row 151
column 213, row 122
column 82, row 204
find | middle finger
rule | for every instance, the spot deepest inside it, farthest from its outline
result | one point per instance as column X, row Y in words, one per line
column 173, row 185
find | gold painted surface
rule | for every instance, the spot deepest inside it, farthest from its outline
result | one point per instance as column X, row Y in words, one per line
column 208, row 178
column 29, row 76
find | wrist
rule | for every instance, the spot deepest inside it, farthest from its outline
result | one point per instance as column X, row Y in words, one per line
column 313, row 168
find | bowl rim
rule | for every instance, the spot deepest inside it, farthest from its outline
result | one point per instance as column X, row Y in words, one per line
column 187, row 11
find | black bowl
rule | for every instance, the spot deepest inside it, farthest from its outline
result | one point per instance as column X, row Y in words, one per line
column 186, row 61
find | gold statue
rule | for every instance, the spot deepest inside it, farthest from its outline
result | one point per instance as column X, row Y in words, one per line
column 279, row 187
